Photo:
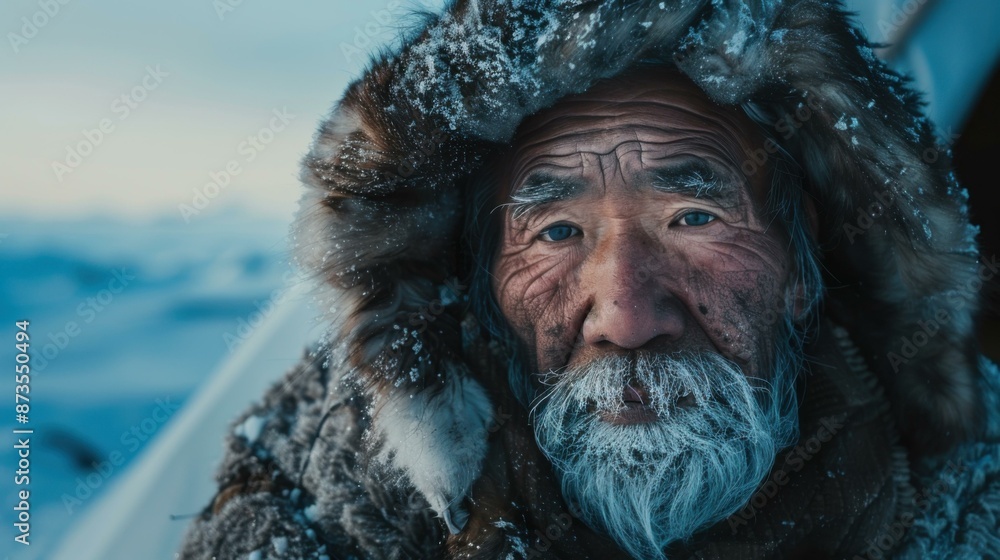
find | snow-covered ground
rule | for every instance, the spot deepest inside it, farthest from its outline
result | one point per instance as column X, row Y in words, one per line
column 127, row 321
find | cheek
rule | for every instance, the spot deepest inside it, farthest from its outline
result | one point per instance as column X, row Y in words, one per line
column 739, row 313
column 535, row 295
column 736, row 291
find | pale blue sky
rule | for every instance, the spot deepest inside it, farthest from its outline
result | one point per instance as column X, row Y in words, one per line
column 226, row 77
column 224, row 80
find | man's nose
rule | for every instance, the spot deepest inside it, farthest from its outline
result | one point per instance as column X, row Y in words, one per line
column 630, row 304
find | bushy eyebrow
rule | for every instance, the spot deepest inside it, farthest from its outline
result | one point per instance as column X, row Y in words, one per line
column 695, row 179
column 541, row 188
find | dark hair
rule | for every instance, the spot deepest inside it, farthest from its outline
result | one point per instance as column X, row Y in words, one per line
column 482, row 240
column 786, row 207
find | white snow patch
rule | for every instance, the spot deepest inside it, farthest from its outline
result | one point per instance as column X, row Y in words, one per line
column 736, row 43
column 518, row 546
column 250, row 428
column 503, row 524
column 311, row 512
column 841, row 123
column 438, row 438
column 255, row 555
column 280, row 544
column 445, row 292
column 431, row 69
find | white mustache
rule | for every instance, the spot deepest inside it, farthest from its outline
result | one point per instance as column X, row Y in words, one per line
column 649, row 484
column 702, row 379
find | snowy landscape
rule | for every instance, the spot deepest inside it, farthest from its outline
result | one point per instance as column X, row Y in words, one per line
column 111, row 369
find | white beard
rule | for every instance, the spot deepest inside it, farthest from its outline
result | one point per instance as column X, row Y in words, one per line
column 648, row 485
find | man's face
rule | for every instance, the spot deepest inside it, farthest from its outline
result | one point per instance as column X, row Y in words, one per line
column 638, row 269
column 646, row 233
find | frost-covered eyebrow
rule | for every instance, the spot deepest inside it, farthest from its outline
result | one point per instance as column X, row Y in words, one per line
column 540, row 189
column 695, row 179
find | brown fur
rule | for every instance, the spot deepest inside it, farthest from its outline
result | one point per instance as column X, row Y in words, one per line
column 380, row 221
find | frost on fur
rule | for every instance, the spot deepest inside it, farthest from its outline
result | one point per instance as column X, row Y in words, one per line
column 437, row 438
column 381, row 221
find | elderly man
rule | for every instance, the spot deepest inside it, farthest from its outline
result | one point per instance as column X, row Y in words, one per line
column 627, row 280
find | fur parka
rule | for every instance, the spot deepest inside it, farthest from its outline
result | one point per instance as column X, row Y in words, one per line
column 379, row 445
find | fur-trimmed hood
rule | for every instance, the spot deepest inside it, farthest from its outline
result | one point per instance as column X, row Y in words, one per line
column 382, row 218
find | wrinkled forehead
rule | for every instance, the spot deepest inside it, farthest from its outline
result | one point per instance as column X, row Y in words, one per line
column 644, row 119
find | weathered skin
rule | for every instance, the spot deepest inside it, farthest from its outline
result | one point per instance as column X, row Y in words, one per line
column 633, row 275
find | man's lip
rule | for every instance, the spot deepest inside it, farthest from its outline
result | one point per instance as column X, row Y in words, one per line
column 635, row 394
column 629, row 414
column 635, row 410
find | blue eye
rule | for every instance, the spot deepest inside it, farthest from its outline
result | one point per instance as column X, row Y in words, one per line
column 558, row 233
column 697, row 218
